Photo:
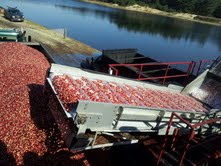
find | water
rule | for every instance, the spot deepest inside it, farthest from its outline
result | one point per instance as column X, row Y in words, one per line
column 161, row 38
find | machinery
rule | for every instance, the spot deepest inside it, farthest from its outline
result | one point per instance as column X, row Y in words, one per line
column 95, row 110
column 15, row 35
column 90, row 124
column 131, row 64
column 100, row 61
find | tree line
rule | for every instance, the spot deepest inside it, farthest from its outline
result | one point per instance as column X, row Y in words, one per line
column 199, row 7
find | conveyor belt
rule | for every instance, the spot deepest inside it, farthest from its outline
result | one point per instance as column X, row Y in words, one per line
column 72, row 89
column 91, row 105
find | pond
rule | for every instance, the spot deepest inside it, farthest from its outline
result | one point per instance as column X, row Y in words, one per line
column 161, row 38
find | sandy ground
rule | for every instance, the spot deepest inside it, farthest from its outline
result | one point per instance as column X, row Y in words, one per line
column 156, row 11
column 138, row 8
column 56, row 44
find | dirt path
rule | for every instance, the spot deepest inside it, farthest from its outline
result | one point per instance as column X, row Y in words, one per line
column 55, row 43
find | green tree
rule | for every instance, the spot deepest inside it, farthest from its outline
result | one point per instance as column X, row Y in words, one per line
column 201, row 7
column 206, row 7
column 187, row 5
column 173, row 4
column 217, row 11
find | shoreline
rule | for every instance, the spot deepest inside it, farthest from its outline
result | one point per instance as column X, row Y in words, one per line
column 56, row 44
column 148, row 10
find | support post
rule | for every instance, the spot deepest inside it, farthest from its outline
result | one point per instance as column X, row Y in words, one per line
column 141, row 70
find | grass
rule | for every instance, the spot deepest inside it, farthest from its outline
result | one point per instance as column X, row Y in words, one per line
column 35, row 24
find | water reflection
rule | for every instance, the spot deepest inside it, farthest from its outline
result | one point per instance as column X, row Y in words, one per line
column 161, row 38
column 167, row 28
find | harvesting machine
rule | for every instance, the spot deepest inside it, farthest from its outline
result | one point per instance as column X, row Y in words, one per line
column 97, row 110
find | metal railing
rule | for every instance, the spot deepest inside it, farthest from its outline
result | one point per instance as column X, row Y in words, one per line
column 201, row 66
column 190, row 137
column 191, row 69
column 62, row 32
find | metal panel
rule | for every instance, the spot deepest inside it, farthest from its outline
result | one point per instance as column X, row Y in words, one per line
column 98, row 116
column 121, row 55
column 216, row 68
column 207, row 87
column 95, row 115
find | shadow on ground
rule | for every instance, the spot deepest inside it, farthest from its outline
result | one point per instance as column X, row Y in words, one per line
column 59, row 155
column 6, row 158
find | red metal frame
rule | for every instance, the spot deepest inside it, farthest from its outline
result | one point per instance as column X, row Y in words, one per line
column 190, row 70
column 116, row 71
column 140, row 66
column 200, row 65
column 189, row 138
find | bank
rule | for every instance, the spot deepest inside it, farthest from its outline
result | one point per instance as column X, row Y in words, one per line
column 55, row 44
column 148, row 10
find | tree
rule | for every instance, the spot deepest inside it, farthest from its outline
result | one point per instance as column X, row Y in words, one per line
column 217, row 11
column 201, row 7
column 173, row 4
column 187, row 5
column 206, row 7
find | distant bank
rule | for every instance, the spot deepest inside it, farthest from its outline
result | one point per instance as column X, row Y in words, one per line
column 148, row 10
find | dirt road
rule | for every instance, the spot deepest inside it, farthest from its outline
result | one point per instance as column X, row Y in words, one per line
column 55, row 43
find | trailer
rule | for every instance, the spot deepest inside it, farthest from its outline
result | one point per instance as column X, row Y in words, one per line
column 95, row 110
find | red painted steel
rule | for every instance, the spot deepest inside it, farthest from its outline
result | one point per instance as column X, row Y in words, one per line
column 205, row 122
column 198, row 70
column 190, row 70
column 140, row 66
column 189, row 138
column 175, row 135
column 141, row 69
column 193, row 68
column 165, row 76
column 200, row 65
column 116, row 71
column 152, row 78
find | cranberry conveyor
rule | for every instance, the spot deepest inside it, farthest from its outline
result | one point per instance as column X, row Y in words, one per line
column 87, row 105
